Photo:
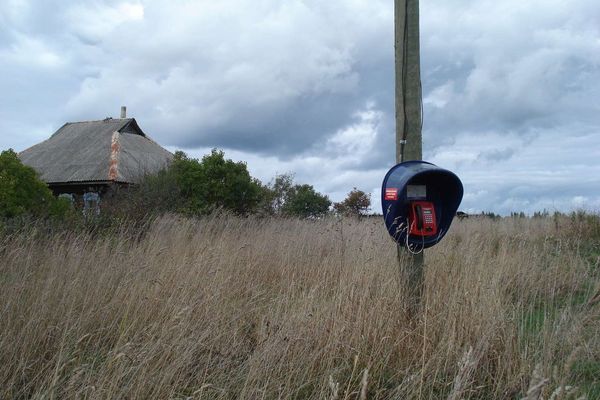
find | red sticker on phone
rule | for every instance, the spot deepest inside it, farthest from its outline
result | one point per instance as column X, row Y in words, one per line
column 391, row 194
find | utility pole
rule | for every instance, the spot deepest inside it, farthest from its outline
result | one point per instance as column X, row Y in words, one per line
column 409, row 145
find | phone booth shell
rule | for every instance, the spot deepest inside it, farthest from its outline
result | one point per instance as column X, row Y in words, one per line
column 414, row 181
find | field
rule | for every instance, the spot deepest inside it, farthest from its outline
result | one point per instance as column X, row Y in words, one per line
column 243, row 308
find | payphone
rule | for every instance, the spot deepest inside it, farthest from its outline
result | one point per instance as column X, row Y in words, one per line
column 421, row 219
column 419, row 201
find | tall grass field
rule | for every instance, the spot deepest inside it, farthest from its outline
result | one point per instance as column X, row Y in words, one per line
column 246, row 308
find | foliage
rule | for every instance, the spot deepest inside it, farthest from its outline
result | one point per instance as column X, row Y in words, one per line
column 154, row 195
column 356, row 203
column 281, row 189
column 61, row 208
column 215, row 183
column 21, row 191
column 281, row 197
column 275, row 194
column 303, row 201
column 192, row 187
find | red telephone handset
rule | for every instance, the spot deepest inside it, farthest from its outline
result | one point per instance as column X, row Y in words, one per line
column 422, row 218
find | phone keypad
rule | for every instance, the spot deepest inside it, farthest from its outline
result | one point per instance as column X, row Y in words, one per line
column 428, row 217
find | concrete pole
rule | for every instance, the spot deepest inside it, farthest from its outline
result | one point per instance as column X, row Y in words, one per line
column 409, row 142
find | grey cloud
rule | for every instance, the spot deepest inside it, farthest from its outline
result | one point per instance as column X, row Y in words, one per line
column 265, row 86
column 515, row 74
column 496, row 155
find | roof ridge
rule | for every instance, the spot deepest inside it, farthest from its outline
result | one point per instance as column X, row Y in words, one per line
column 109, row 119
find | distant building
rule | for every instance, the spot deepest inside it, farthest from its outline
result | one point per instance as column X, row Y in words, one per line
column 96, row 155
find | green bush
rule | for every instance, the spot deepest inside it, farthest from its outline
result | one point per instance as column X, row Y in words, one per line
column 215, row 183
column 155, row 194
column 303, row 201
column 281, row 197
column 357, row 203
column 199, row 187
column 190, row 186
column 21, row 191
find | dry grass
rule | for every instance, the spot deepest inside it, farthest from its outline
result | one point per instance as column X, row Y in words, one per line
column 224, row 308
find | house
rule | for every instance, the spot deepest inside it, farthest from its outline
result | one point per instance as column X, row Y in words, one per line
column 95, row 156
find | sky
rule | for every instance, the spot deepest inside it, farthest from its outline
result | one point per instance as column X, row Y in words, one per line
column 511, row 88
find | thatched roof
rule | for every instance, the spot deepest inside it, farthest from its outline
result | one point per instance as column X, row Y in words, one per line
column 114, row 150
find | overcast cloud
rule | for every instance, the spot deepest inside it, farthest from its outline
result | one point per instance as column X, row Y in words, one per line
column 511, row 88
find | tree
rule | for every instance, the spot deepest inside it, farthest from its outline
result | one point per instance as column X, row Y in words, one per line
column 276, row 193
column 281, row 188
column 282, row 197
column 215, row 183
column 21, row 191
column 356, row 203
column 303, row 201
